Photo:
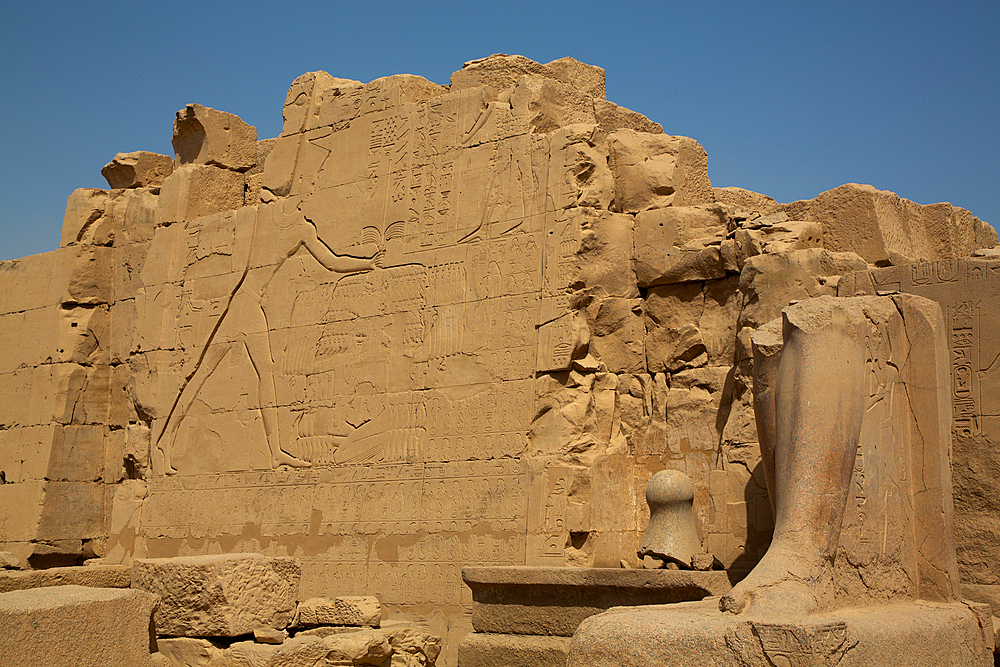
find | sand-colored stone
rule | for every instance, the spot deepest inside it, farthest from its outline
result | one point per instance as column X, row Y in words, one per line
column 494, row 650
column 84, row 210
column 679, row 244
column 426, row 326
column 356, row 611
column 76, row 625
column 103, row 576
column 501, row 71
column 653, row 171
column 880, row 226
column 747, row 200
column 554, row 601
column 138, row 169
column 224, row 596
column 966, row 290
column 210, row 137
column 365, row 647
column 914, row 634
column 194, row 190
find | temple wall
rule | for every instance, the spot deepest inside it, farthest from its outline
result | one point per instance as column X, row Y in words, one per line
column 425, row 327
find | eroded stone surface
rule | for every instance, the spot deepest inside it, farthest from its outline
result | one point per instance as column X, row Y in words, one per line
column 138, row 169
column 219, row 596
column 356, row 611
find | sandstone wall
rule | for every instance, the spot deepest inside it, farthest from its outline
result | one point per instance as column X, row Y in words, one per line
column 425, row 327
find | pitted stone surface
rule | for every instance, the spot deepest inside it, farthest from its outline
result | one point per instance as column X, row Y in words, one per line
column 77, row 626
column 354, row 611
column 219, row 596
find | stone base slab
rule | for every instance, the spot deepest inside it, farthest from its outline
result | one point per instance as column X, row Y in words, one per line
column 555, row 600
column 914, row 634
column 76, row 626
column 496, row 650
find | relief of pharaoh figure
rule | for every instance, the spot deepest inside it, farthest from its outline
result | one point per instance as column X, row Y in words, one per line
column 280, row 231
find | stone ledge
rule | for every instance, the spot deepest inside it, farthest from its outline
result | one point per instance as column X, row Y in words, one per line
column 103, row 576
column 554, row 601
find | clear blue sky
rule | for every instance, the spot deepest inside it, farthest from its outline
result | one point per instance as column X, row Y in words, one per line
column 789, row 98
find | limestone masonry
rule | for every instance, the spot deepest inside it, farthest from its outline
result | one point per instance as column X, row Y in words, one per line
column 294, row 385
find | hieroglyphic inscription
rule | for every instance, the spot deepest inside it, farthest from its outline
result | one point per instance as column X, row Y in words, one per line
column 962, row 331
column 960, row 286
column 802, row 645
column 365, row 529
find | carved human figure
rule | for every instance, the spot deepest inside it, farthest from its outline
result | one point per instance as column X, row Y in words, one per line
column 809, row 401
column 279, row 232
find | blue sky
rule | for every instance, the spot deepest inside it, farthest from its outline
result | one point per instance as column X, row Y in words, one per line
column 788, row 98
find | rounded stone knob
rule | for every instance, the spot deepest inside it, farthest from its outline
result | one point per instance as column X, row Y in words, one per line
column 671, row 534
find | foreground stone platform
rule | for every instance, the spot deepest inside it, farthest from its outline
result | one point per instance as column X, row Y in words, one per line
column 555, row 600
column 76, row 626
column 917, row 633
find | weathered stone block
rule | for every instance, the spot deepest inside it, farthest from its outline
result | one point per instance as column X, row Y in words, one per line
column 555, row 600
column 359, row 610
column 196, row 190
column 208, row 136
column 495, row 650
column 654, row 171
column 679, row 244
column 84, row 208
column 91, row 576
column 139, row 169
column 76, row 626
column 224, row 596
column 880, row 225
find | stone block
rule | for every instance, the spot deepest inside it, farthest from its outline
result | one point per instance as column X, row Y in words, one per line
column 359, row 610
column 499, row 650
column 211, row 137
column 221, row 596
column 196, row 190
column 84, row 208
column 188, row 652
column 654, row 171
column 611, row 117
column 139, row 169
column 881, row 226
column 501, row 71
column 100, row 576
column 986, row 594
column 771, row 282
column 679, row 244
column 555, row 600
column 80, row 627
column 72, row 511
